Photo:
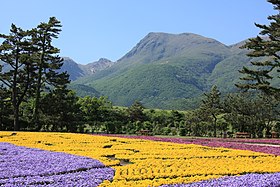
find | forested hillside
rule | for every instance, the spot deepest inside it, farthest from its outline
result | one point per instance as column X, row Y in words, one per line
column 169, row 71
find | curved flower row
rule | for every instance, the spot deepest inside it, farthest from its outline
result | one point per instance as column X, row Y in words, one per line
column 21, row 166
column 249, row 180
column 242, row 144
column 140, row 162
column 245, row 140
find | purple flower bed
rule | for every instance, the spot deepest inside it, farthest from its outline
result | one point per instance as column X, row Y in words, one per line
column 249, row 180
column 22, row 166
column 215, row 142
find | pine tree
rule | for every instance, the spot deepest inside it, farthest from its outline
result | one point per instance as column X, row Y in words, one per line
column 265, row 50
column 4, row 108
column 32, row 64
column 15, row 54
column 47, row 62
column 61, row 109
column 211, row 107
column 136, row 112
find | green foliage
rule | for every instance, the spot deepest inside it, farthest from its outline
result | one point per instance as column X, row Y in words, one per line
column 277, row 127
column 211, row 107
column 95, row 110
column 47, row 62
column 266, row 70
column 251, row 113
column 182, row 132
column 5, row 110
column 136, row 112
column 31, row 64
column 84, row 90
column 16, row 54
column 61, row 111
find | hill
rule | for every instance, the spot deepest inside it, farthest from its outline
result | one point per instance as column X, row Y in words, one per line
column 77, row 71
column 170, row 71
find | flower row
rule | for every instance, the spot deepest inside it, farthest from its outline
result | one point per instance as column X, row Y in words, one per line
column 21, row 166
column 249, row 180
column 263, row 146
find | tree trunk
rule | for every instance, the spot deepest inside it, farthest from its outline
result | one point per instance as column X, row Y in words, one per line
column 16, row 119
column 38, row 88
column 14, row 97
column 1, row 115
column 215, row 125
column 37, row 101
column 35, row 119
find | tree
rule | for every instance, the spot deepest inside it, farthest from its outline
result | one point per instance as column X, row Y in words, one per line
column 247, row 112
column 5, row 109
column 62, row 110
column 94, row 109
column 16, row 53
column 265, row 50
column 211, row 107
column 136, row 112
column 238, row 110
column 32, row 64
column 175, row 119
column 195, row 126
column 47, row 61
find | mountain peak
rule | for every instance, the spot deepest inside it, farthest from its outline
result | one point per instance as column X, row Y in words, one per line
column 79, row 70
column 96, row 66
column 103, row 60
column 158, row 45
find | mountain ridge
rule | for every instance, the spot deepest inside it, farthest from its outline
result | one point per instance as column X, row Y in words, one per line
column 76, row 70
column 170, row 71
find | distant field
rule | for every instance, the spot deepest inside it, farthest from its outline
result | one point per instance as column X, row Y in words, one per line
column 129, row 161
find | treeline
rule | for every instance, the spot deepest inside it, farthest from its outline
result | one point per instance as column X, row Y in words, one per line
column 61, row 110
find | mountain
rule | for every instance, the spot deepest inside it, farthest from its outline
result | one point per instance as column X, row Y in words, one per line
column 170, row 71
column 72, row 68
column 84, row 90
column 76, row 70
column 167, row 71
column 101, row 64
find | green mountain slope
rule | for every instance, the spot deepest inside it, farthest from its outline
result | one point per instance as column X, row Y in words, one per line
column 226, row 74
column 162, row 71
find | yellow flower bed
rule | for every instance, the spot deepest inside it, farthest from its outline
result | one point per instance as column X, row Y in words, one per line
column 149, row 163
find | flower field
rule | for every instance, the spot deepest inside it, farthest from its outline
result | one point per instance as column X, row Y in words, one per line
column 55, row 159
column 270, row 146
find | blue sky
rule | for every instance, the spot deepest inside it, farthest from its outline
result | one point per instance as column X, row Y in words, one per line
column 94, row 29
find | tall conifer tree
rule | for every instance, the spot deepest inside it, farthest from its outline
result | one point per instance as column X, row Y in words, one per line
column 15, row 53
column 265, row 50
column 47, row 62
column 211, row 107
column 32, row 64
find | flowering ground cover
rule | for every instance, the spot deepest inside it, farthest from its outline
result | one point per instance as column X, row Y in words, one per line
column 269, row 146
column 248, row 180
column 139, row 162
column 22, row 166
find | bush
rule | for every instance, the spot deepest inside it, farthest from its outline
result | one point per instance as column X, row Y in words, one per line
column 182, row 132
column 166, row 130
